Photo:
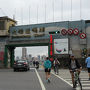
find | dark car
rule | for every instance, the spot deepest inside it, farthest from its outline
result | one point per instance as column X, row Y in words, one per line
column 21, row 65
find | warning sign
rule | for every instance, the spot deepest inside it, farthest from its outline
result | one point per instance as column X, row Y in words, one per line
column 63, row 31
column 75, row 31
column 82, row 35
column 70, row 31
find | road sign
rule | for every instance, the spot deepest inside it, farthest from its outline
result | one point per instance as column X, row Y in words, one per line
column 82, row 35
column 63, row 31
column 75, row 31
column 70, row 31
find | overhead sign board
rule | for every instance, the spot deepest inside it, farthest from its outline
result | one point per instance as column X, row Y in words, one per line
column 61, row 46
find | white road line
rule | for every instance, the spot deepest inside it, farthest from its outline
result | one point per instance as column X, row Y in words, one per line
column 81, row 82
column 86, row 88
column 69, row 82
column 41, row 83
column 81, row 79
column 62, row 79
column 86, row 84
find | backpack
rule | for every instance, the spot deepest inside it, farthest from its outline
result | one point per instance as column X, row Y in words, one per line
column 47, row 64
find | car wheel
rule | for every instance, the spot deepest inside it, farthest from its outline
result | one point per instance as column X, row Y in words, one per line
column 14, row 70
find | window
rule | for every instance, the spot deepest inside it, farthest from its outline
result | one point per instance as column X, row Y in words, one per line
column 27, row 31
column 20, row 31
column 35, row 30
column 14, row 32
column 42, row 29
column 2, row 25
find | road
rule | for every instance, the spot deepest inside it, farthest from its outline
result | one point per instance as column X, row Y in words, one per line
column 34, row 80
column 64, row 73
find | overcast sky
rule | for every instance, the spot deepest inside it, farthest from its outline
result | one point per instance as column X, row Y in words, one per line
column 34, row 51
column 43, row 11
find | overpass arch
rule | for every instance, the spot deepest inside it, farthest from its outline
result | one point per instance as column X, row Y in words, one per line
column 10, row 54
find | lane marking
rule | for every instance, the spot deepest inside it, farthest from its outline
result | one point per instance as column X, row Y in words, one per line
column 62, row 79
column 86, row 84
column 81, row 81
column 41, row 83
column 86, row 88
column 80, row 78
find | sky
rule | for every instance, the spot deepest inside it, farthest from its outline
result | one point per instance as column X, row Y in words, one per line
column 43, row 11
column 34, row 51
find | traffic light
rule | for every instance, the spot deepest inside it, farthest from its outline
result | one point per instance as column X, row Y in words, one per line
column 84, row 52
column 57, row 32
column 54, row 32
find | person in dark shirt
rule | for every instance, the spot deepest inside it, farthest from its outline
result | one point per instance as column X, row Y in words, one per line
column 37, row 64
column 56, row 64
column 74, row 64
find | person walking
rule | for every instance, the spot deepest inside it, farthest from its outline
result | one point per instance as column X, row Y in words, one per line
column 56, row 64
column 47, row 66
column 37, row 64
column 34, row 63
column 74, row 64
column 87, row 61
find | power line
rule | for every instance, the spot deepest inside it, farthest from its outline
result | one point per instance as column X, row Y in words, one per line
column 53, row 10
column 29, row 13
column 37, row 14
column 80, row 9
column 71, row 10
column 21, row 16
column 62, row 10
column 45, row 11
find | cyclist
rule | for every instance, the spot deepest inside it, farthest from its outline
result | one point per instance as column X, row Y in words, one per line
column 88, row 64
column 74, row 64
column 47, row 66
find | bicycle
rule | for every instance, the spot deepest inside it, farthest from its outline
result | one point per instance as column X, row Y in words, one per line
column 77, row 79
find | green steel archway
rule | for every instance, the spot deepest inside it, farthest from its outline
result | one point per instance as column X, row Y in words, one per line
column 10, row 49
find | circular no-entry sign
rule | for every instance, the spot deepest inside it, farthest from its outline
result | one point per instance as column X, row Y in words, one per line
column 63, row 31
column 70, row 31
column 82, row 35
column 75, row 31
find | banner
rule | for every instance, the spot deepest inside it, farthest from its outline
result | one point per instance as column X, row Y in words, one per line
column 61, row 46
column 1, row 56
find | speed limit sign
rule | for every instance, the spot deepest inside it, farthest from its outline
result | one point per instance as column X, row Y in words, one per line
column 64, row 32
column 82, row 35
column 75, row 31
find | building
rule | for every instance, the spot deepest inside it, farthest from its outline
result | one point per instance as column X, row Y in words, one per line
column 5, row 24
column 24, row 53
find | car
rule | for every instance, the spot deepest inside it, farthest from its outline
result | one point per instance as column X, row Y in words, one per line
column 21, row 65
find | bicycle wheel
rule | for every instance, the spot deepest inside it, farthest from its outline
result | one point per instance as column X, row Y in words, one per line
column 79, row 82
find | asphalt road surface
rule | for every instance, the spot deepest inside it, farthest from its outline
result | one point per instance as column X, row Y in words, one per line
column 31, row 80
